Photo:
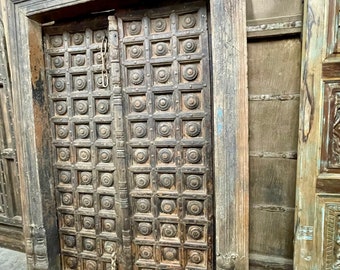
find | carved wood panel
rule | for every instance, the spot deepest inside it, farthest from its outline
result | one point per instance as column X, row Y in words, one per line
column 83, row 136
column 167, row 105
column 331, row 134
column 131, row 134
column 332, row 236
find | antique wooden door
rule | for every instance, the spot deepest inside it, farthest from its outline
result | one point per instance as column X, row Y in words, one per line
column 131, row 140
column 317, row 235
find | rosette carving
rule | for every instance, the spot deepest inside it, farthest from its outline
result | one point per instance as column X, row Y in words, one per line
column 145, row 228
column 107, row 202
column 109, row 247
column 195, row 232
column 163, row 103
column 167, row 180
column 87, row 200
column 71, row 262
column 135, row 28
column 64, row 154
column 62, row 132
column 69, row 220
column 161, row 49
column 168, row 206
column 61, row 107
column 169, row 254
column 105, row 155
column 70, row 241
column 143, row 205
column 89, row 244
column 83, row 131
column 67, row 199
column 193, row 129
column 99, row 58
column 189, row 21
column 145, row 252
column 136, row 76
column 84, row 155
column 99, row 82
column 109, row 225
column 104, row 131
column 194, row 155
column 142, row 180
column 88, row 223
column 195, row 256
column 169, row 230
column 106, row 179
column 58, row 61
column 90, row 265
column 81, row 107
column 194, row 182
column 57, row 41
column 138, row 104
column 190, row 72
column 141, row 156
column 164, row 129
column 78, row 38
column 79, row 60
column 189, row 46
column 136, row 51
column 80, row 83
column 99, row 36
column 59, row 84
column 165, row 155
column 162, row 75
column 159, row 25
column 191, row 102
column 103, row 106
column 140, row 130
column 195, row 208
column 65, row 177
column 85, row 178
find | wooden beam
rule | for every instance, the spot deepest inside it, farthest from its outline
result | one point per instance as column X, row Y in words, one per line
column 230, row 97
column 270, row 262
column 286, row 25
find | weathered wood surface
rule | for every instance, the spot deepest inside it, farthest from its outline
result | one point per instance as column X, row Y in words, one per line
column 274, row 66
column 309, row 220
column 273, row 18
column 273, row 127
column 231, row 133
column 37, row 220
column 10, row 201
column 260, row 262
column 228, row 39
column 260, row 9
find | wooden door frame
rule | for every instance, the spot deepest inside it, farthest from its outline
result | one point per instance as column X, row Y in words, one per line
column 317, row 192
column 230, row 126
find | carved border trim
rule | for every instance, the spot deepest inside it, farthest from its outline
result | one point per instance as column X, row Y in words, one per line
column 332, row 236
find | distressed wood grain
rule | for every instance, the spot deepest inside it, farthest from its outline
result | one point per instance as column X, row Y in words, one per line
column 231, row 134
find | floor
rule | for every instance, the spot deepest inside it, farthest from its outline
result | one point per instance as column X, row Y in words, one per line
column 12, row 260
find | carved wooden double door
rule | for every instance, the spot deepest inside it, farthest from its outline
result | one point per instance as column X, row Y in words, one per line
column 131, row 140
